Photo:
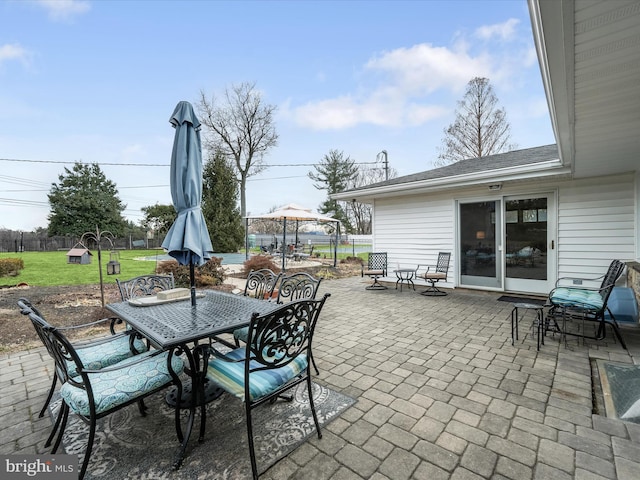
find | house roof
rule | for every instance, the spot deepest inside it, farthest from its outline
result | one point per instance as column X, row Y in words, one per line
column 514, row 165
column 589, row 54
column 78, row 252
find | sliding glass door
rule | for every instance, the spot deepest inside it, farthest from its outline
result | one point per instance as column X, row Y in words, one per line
column 480, row 234
column 508, row 243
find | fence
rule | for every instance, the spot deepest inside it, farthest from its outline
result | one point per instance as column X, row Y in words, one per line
column 32, row 242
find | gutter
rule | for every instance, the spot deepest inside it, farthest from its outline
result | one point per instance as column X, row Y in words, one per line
column 552, row 168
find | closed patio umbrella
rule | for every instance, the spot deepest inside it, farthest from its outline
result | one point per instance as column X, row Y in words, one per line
column 188, row 238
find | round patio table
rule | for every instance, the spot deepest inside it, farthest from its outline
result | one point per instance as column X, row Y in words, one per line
column 405, row 275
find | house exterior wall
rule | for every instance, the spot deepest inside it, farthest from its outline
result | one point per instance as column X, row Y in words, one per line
column 412, row 229
column 596, row 223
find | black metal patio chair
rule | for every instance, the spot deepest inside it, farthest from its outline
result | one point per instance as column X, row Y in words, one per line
column 96, row 353
column 577, row 299
column 297, row 286
column 261, row 284
column 95, row 393
column 376, row 267
column 275, row 358
column 434, row 274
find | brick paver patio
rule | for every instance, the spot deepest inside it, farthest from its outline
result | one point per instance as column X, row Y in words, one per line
column 441, row 394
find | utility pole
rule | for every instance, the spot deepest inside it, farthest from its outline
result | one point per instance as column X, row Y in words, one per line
column 386, row 163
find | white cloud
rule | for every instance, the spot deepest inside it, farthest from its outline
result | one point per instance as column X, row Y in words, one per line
column 9, row 52
column 61, row 10
column 408, row 86
column 407, row 77
column 424, row 68
column 503, row 31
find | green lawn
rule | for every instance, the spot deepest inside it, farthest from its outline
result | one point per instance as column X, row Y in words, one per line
column 51, row 268
column 45, row 269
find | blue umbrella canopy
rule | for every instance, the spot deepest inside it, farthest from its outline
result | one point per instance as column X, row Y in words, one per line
column 188, row 238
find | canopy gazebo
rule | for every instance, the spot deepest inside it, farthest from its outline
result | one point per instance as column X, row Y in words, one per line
column 294, row 213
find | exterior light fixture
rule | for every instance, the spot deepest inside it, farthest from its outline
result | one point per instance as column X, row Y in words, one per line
column 495, row 187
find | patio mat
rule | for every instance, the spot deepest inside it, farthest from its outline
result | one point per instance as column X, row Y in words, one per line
column 621, row 390
column 507, row 298
column 128, row 445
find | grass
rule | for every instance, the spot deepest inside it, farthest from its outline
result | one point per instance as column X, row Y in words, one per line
column 46, row 269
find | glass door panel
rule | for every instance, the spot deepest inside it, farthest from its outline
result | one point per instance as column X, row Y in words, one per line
column 480, row 263
column 527, row 238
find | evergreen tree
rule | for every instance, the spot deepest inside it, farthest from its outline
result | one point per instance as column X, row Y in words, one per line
column 85, row 199
column 334, row 174
column 220, row 205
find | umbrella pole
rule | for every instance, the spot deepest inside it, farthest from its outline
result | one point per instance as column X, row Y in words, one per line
column 192, row 275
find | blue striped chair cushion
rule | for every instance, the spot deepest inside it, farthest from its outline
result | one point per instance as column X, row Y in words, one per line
column 116, row 387
column 579, row 297
column 95, row 357
column 230, row 375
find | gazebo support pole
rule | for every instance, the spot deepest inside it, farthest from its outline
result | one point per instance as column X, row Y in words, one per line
column 283, row 246
column 335, row 246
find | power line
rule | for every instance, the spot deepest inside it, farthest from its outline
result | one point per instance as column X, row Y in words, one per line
column 68, row 162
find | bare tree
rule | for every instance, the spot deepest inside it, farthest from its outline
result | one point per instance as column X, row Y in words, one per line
column 242, row 127
column 480, row 127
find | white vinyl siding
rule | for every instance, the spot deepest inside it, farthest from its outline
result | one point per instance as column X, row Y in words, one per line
column 596, row 224
column 413, row 229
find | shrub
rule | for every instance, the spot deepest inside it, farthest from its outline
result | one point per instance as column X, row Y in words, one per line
column 10, row 266
column 258, row 262
column 357, row 260
column 208, row 275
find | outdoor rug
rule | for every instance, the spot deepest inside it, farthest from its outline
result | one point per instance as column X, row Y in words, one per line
column 536, row 301
column 621, row 388
column 128, row 445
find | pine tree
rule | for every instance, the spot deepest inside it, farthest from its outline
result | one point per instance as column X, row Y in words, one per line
column 220, row 205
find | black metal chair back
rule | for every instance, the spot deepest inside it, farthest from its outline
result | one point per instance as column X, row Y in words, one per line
column 616, row 267
column 145, row 285
column 378, row 261
column 298, row 286
column 278, row 342
column 443, row 263
column 261, row 283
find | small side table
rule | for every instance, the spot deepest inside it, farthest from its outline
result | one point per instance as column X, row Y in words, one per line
column 405, row 275
column 538, row 322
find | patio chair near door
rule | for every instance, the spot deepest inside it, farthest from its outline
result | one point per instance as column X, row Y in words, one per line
column 376, row 267
column 434, row 274
column 584, row 300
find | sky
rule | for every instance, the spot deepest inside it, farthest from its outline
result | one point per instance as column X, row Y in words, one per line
column 96, row 82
